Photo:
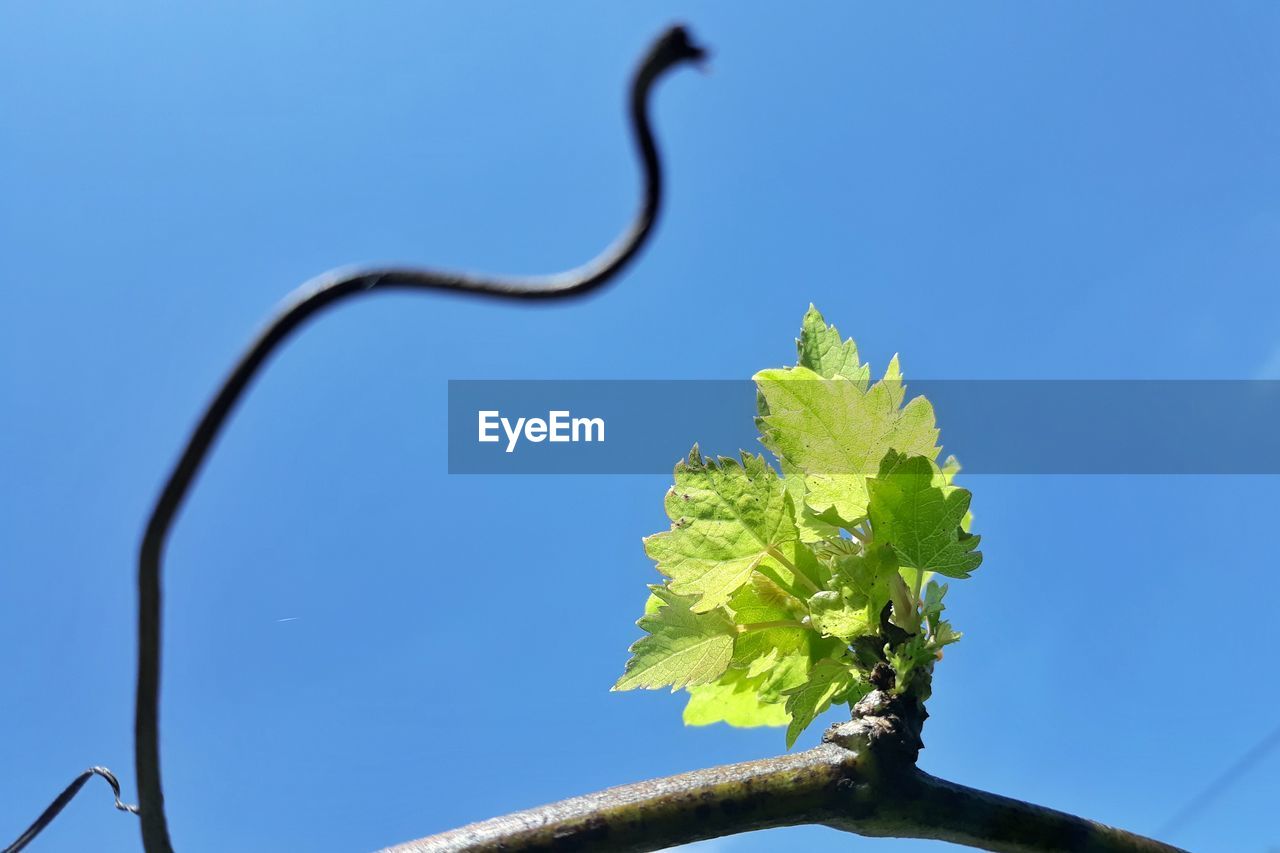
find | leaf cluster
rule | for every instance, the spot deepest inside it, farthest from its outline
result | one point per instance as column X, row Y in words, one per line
column 784, row 588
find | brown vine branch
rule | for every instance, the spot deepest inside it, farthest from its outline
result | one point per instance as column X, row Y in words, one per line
column 862, row 779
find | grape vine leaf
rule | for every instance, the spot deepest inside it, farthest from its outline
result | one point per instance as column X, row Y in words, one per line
column 829, row 681
column 728, row 519
column 821, row 349
column 683, row 647
column 761, row 601
column 786, row 672
column 863, row 585
column 921, row 521
column 835, row 617
column 835, row 433
column 734, row 700
column 811, row 527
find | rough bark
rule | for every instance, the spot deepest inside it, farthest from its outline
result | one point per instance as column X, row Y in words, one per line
column 862, row 779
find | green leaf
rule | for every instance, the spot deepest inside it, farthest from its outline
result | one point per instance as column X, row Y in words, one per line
column 835, row 617
column 829, row 681
column 820, row 349
column 813, row 528
column 867, row 581
column 933, row 606
column 683, row 647
column 728, row 519
column 947, row 472
column 867, row 574
column 945, row 635
column 835, row 433
column 794, row 567
column 788, row 672
column 762, row 664
column 763, row 601
column 945, row 480
column 920, row 520
column 733, row 700
column 917, row 654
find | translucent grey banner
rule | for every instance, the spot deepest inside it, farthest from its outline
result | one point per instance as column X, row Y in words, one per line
column 992, row 426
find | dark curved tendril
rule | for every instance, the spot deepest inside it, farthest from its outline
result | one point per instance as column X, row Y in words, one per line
column 671, row 49
column 67, row 795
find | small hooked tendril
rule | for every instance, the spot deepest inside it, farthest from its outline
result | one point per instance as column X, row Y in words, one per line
column 671, row 49
column 68, row 793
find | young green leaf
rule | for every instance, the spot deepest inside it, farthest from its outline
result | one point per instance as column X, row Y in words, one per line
column 867, row 575
column 733, row 700
column 836, row 433
column 910, row 661
column 829, row 681
column 820, row 349
column 683, row 647
column 770, row 618
column 812, row 527
column 933, row 606
column 862, row 585
column 749, row 697
column 728, row 519
column 786, row 672
column 945, row 635
column 833, row 616
column 920, row 520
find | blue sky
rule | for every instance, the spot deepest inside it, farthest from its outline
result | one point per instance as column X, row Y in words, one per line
column 995, row 190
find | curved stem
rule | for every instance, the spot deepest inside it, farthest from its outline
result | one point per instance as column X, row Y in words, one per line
column 670, row 50
column 830, row 785
column 771, row 624
column 60, row 803
column 774, row 552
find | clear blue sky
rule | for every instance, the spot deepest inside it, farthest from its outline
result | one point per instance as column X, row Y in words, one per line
column 1082, row 190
